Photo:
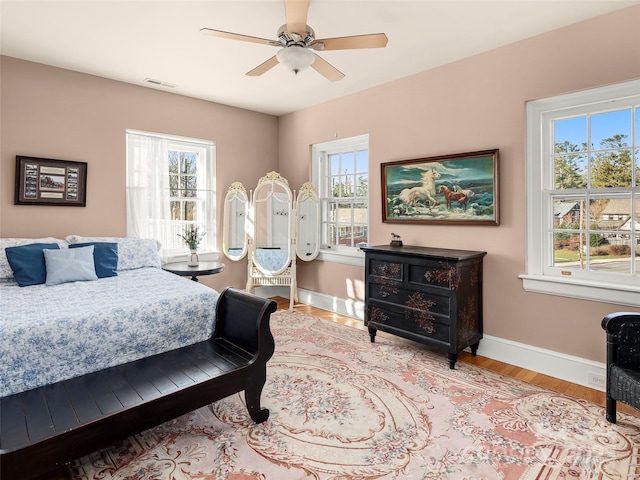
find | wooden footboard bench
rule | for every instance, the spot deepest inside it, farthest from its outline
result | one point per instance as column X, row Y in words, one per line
column 47, row 427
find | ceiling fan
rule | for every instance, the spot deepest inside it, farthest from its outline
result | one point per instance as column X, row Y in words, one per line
column 298, row 43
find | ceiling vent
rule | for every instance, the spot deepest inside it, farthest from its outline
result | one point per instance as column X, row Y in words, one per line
column 159, row 83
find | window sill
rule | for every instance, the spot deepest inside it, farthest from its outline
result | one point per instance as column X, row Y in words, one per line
column 348, row 258
column 581, row 289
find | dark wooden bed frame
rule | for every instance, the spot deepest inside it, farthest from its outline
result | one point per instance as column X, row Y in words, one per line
column 45, row 428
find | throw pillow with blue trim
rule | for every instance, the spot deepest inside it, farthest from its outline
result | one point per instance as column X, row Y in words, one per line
column 69, row 265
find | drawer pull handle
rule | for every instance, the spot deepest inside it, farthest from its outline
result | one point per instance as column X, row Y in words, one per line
column 384, row 294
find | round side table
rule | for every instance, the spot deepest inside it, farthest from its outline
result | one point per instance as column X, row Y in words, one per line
column 203, row 268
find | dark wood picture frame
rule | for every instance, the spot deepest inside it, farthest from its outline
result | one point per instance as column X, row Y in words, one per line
column 458, row 189
column 47, row 181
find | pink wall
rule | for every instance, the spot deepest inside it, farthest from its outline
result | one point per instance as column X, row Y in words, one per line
column 54, row 113
column 476, row 104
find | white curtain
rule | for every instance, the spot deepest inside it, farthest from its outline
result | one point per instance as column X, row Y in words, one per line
column 147, row 186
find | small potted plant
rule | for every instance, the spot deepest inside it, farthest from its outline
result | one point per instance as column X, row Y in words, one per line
column 192, row 238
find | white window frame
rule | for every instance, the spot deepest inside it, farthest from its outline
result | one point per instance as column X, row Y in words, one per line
column 541, row 276
column 206, row 197
column 319, row 158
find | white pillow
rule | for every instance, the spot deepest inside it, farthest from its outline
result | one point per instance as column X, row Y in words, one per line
column 69, row 265
column 6, row 273
column 132, row 252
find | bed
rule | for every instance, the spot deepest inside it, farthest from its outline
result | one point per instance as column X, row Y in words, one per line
column 51, row 333
column 122, row 319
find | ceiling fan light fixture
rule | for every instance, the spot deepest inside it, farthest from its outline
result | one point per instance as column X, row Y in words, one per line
column 295, row 58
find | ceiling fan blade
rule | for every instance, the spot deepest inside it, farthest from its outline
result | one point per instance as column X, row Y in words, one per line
column 263, row 67
column 296, row 13
column 374, row 40
column 327, row 70
column 235, row 36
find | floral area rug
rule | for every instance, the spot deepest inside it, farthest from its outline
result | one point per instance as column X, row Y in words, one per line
column 344, row 408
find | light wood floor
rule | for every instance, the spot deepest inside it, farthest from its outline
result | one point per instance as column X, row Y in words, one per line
column 539, row 379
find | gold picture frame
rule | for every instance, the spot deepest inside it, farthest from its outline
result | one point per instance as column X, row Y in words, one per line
column 458, row 189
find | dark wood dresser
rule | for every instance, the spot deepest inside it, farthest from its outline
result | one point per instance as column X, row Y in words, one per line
column 429, row 295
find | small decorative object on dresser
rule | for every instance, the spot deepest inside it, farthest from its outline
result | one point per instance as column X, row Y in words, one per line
column 396, row 241
column 429, row 295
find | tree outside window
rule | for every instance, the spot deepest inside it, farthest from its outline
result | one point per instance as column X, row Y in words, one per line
column 583, row 190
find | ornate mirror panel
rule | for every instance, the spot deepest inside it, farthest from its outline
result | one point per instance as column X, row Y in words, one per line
column 272, row 201
column 234, row 238
column 308, row 226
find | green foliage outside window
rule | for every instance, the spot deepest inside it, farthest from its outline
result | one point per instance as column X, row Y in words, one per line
column 611, row 165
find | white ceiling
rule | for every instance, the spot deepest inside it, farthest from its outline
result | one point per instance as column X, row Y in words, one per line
column 133, row 40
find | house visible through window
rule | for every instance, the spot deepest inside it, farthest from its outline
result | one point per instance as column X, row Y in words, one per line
column 341, row 174
column 583, row 179
column 170, row 187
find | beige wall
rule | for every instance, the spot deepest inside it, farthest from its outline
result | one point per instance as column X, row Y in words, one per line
column 476, row 104
column 54, row 113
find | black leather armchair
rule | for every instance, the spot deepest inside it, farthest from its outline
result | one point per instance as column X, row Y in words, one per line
column 623, row 360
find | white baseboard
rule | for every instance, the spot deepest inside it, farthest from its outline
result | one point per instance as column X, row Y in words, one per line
column 266, row 292
column 341, row 306
column 558, row 365
column 580, row 371
column 349, row 308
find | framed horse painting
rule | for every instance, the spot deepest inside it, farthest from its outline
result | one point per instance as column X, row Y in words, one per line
column 459, row 189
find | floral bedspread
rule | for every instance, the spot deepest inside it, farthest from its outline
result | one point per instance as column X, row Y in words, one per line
column 51, row 333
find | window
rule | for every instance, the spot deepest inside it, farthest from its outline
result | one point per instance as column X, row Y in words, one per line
column 341, row 174
column 170, row 187
column 583, row 200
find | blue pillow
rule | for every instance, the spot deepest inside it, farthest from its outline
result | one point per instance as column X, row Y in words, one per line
column 69, row 265
column 105, row 257
column 27, row 262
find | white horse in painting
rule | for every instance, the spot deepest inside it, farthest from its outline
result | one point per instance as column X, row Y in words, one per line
column 468, row 193
column 425, row 193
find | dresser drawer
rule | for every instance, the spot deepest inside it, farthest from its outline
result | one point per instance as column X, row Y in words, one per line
column 386, row 270
column 426, row 272
column 433, row 274
column 438, row 303
column 415, row 322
